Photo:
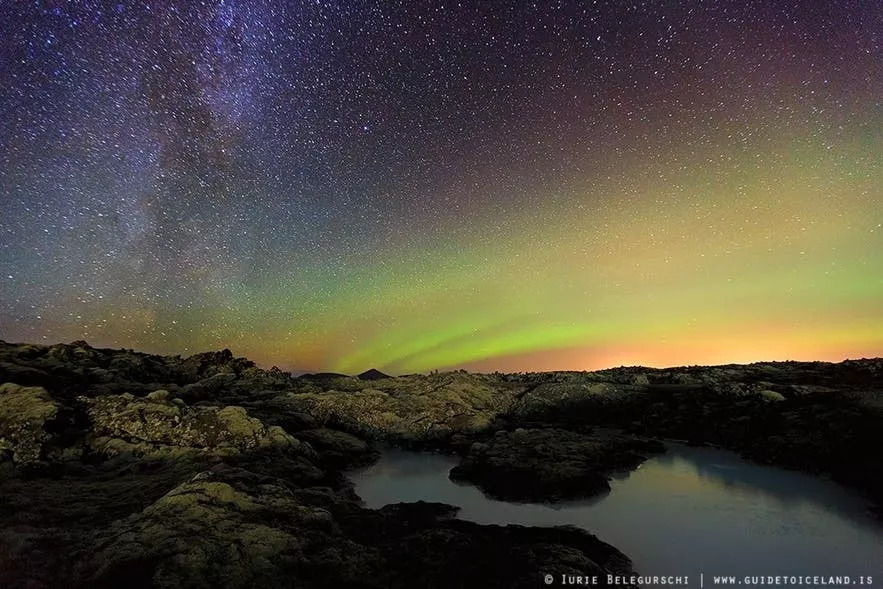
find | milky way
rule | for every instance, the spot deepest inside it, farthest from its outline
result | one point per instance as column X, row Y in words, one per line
column 425, row 185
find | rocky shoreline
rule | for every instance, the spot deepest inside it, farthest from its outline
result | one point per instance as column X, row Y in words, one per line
column 123, row 468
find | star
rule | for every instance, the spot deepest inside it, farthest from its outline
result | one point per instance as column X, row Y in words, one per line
column 413, row 186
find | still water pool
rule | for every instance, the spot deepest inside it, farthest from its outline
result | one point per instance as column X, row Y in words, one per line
column 686, row 512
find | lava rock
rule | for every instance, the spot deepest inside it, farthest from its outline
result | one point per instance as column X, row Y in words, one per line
column 153, row 420
column 545, row 465
column 25, row 413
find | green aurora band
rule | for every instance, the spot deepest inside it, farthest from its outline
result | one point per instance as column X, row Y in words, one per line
column 737, row 257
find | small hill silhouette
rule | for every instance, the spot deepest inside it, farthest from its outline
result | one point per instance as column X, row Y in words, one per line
column 372, row 374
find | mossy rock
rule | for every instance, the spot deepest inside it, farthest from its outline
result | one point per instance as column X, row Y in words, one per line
column 772, row 396
column 24, row 415
column 154, row 421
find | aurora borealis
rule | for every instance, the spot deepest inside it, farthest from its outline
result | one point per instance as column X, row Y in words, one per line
column 510, row 186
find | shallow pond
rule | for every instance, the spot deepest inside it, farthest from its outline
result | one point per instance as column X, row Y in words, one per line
column 689, row 511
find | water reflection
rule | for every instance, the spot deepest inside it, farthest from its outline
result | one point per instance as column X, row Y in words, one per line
column 690, row 510
column 727, row 471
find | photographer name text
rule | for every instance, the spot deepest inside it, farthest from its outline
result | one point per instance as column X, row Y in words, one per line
column 710, row 580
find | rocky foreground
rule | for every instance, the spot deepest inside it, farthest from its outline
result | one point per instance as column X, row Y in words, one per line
column 121, row 468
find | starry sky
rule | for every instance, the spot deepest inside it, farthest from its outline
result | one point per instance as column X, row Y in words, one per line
column 414, row 185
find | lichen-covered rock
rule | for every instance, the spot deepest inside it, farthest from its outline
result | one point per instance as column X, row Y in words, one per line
column 555, row 399
column 550, row 464
column 24, row 414
column 207, row 364
column 412, row 409
column 160, row 395
column 226, row 527
column 74, row 369
column 773, row 396
column 158, row 421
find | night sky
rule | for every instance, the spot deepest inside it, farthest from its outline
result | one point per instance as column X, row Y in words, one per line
column 409, row 186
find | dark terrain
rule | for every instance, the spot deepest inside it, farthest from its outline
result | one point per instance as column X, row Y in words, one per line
column 122, row 468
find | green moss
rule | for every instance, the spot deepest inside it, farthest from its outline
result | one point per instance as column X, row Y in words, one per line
column 24, row 412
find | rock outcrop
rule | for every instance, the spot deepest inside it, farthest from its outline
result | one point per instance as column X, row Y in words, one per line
column 156, row 421
column 546, row 465
column 222, row 528
column 26, row 414
column 411, row 410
